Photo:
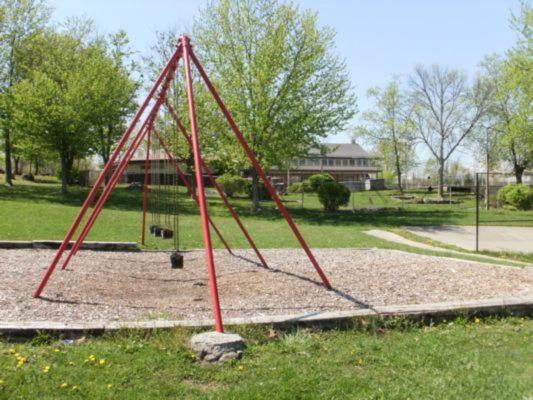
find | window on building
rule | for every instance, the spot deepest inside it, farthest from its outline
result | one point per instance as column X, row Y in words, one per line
column 331, row 162
column 359, row 162
column 345, row 162
column 352, row 162
column 301, row 162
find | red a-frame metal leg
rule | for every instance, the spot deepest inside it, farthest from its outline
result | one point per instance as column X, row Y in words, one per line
column 217, row 186
column 200, row 185
column 189, row 189
column 259, row 170
column 92, row 194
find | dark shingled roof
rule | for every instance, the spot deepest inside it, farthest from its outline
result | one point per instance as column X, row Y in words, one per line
column 344, row 150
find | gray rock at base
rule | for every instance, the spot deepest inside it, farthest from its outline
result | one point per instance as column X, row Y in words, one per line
column 217, row 347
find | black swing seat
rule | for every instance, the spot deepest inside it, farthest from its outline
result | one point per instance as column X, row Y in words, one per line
column 155, row 230
column 176, row 260
column 167, row 233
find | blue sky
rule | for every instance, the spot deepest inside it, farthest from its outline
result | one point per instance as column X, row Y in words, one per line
column 378, row 38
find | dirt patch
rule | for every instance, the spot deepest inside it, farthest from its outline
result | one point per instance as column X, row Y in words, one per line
column 131, row 286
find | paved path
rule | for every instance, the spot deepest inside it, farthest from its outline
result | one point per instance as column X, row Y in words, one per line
column 495, row 238
column 393, row 237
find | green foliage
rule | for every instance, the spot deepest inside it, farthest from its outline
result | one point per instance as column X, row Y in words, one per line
column 276, row 70
column 297, row 187
column 388, row 127
column 75, row 96
column 516, row 195
column 232, row 184
column 315, row 181
column 333, row 195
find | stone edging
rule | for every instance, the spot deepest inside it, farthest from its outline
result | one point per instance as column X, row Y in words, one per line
column 54, row 244
column 515, row 305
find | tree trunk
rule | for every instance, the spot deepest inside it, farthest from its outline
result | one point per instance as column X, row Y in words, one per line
column 518, row 172
column 255, row 191
column 66, row 168
column 36, row 167
column 517, row 166
column 487, row 181
column 441, row 179
column 9, row 172
column 17, row 165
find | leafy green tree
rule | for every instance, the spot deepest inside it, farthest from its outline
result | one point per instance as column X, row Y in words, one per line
column 388, row 126
column 113, row 91
column 516, row 95
column 277, row 73
column 19, row 21
column 57, row 102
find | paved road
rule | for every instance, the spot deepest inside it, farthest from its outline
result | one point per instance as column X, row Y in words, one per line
column 496, row 238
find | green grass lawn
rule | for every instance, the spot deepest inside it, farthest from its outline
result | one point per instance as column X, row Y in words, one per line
column 487, row 359
column 38, row 211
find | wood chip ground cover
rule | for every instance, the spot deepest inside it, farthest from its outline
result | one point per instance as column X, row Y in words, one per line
column 107, row 286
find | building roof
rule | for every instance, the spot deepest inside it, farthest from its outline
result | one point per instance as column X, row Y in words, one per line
column 344, row 150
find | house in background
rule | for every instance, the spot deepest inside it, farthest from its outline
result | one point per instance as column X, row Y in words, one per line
column 348, row 163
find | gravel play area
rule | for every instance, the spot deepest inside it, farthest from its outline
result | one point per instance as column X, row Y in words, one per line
column 105, row 286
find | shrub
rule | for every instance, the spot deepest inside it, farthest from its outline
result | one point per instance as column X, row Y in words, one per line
column 315, row 181
column 333, row 195
column 296, row 187
column 516, row 195
column 231, row 184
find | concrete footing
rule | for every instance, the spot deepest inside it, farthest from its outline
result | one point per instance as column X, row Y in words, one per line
column 217, row 347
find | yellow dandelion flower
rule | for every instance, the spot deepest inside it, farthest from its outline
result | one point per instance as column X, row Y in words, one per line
column 360, row 361
column 102, row 362
column 56, row 350
column 1, row 382
column 240, row 368
column 46, row 369
column 71, row 363
column 74, row 387
column 12, row 350
column 109, row 386
column 86, row 361
column 477, row 321
column 64, row 385
column 92, row 357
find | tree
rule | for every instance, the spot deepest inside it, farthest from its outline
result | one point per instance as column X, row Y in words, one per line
column 276, row 72
column 113, row 92
column 445, row 110
column 516, row 95
column 19, row 21
column 57, row 105
column 389, row 128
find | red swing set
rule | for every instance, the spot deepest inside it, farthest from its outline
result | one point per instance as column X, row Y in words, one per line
column 119, row 159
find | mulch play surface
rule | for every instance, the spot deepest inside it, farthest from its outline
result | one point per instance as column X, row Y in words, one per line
column 110, row 286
